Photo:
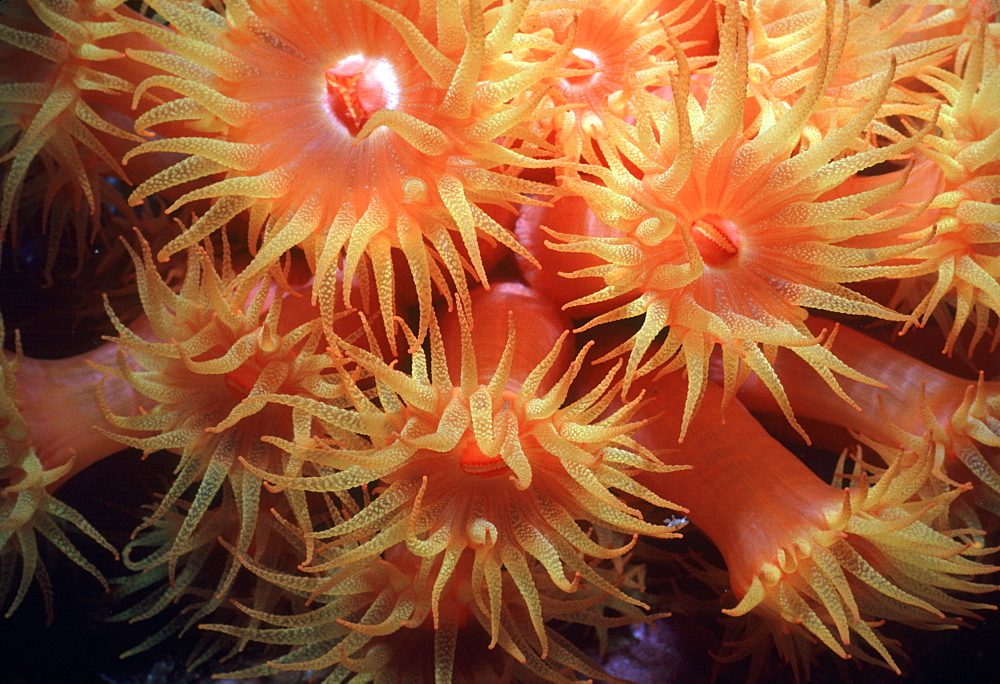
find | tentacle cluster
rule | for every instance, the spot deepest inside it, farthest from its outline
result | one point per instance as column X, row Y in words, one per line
column 729, row 229
column 220, row 347
column 619, row 49
column 504, row 472
column 969, row 435
column 62, row 101
column 878, row 557
column 375, row 619
column 966, row 151
column 353, row 130
column 786, row 41
column 27, row 508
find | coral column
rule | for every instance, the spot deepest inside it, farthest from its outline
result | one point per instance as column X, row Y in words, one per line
column 804, row 556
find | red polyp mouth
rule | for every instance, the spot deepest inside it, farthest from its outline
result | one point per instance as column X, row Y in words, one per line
column 717, row 239
column 474, row 462
column 241, row 381
column 581, row 58
column 358, row 87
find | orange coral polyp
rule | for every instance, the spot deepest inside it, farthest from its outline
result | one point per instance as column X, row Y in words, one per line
column 432, row 427
column 916, row 405
column 964, row 210
column 225, row 344
column 28, row 511
column 806, row 557
column 65, row 108
column 352, row 130
column 617, row 48
column 308, row 61
column 689, row 177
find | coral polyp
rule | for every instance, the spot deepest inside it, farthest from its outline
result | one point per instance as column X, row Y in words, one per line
column 65, row 102
column 729, row 229
column 27, row 508
column 353, row 130
column 499, row 340
column 482, row 455
column 205, row 353
column 835, row 561
column 963, row 255
column 620, row 48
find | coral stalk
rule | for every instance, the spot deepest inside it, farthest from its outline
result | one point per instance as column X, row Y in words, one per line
column 27, row 508
column 914, row 402
column 807, row 557
column 58, row 401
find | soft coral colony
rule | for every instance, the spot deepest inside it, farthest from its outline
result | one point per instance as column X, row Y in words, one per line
column 452, row 314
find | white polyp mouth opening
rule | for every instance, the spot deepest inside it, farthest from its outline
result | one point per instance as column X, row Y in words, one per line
column 378, row 72
column 583, row 59
column 587, row 56
column 359, row 86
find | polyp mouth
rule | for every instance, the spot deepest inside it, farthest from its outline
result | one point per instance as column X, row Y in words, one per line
column 717, row 239
column 359, row 86
column 474, row 462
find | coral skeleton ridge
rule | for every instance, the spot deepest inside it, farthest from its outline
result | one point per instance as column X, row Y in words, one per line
column 452, row 339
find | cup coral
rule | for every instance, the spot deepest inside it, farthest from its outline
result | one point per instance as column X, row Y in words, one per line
column 967, row 153
column 445, row 337
column 27, row 507
column 479, row 454
column 301, row 105
column 832, row 561
column 734, row 262
column 209, row 349
column 66, row 99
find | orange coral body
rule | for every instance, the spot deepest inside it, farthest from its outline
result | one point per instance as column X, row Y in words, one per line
column 372, row 445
